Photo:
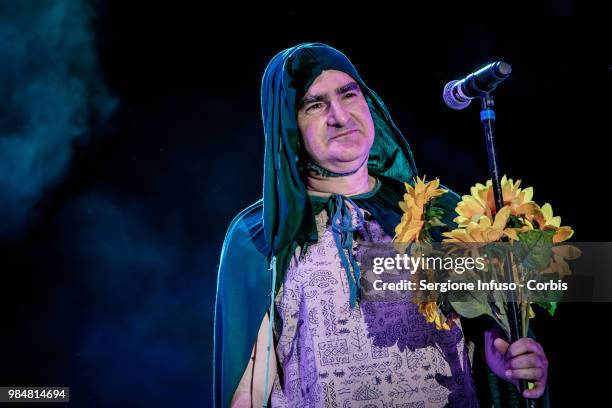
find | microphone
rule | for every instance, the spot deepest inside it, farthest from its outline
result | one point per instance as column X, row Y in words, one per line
column 459, row 93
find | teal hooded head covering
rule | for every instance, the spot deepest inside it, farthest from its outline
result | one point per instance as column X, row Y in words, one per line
column 288, row 214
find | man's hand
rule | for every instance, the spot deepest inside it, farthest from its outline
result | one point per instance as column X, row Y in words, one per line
column 524, row 359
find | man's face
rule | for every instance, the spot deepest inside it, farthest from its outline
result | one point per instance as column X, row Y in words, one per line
column 335, row 122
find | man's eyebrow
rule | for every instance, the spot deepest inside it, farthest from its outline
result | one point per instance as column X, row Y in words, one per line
column 351, row 86
column 314, row 98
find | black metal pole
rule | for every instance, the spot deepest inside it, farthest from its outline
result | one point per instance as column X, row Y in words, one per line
column 487, row 117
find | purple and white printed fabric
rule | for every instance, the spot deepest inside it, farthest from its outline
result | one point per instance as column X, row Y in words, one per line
column 380, row 354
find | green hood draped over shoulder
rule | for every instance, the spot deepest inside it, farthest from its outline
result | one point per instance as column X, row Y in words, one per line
column 272, row 228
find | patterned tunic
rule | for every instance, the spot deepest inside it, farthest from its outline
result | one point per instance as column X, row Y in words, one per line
column 379, row 354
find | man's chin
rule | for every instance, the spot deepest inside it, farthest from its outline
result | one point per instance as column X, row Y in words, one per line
column 347, row 149
column 346, row 165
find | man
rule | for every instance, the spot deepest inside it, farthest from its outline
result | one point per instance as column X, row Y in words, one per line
column 334, row 169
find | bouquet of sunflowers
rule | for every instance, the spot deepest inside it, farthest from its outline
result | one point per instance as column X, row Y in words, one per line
column 531, row 232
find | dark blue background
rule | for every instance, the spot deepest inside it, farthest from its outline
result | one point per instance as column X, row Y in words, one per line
column 130, row 135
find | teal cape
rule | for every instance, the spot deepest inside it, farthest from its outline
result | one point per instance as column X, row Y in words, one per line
column 284, row 218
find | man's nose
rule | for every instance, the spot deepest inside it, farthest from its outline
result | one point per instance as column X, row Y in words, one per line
column 337, row 116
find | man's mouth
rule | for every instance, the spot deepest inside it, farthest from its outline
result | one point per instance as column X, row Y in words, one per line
column 346, row 132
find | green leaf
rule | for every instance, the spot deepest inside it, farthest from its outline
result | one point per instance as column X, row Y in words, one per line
column 533, row 251
column 550, row 306
column 471, row 309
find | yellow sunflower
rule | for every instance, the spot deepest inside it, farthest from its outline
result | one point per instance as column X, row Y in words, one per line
column 481, row 202
column 433, row 315
column 485, row 230
column 561, row 254
column 413, row 219
column 546, row 221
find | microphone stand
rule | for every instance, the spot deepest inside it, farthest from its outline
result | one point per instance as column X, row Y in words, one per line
column 487, row 117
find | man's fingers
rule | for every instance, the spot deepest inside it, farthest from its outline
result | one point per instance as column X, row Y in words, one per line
column 501, row 345
column 522, row 346
column 530, row 360
column 532, row 374
column 535, row 392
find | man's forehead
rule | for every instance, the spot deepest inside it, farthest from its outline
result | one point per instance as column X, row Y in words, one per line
column 329, row 81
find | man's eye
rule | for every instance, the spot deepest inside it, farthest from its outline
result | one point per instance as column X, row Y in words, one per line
column 349, row 95
column 314, row 107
